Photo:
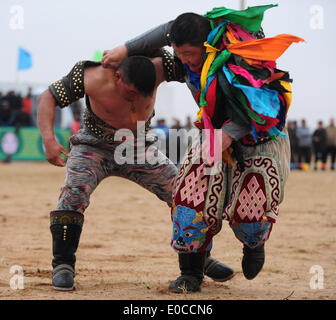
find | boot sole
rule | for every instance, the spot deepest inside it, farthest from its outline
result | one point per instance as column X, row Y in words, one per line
column 63, row 289
column 224, row 279
column 179, row 290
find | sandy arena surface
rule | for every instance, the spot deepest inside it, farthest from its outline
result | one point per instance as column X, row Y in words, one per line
column 124, row 251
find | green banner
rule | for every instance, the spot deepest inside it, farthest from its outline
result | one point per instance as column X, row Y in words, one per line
column 97, row 56
column 27, row 145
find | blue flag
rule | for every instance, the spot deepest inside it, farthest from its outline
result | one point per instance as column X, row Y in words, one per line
column 25, row 59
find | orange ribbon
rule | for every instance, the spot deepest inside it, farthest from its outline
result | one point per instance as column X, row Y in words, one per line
column 267, row 49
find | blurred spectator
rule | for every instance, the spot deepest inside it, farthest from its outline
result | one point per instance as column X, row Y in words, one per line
column 14, row 101
column 319, row 144
column 176, row 142
column 26, row 111
column 304, row 137
column 16, row 115
column 75, row 124
column 162, row 132
column 331, row 143
column 292, row 126
column 177, row 124
column 76, row 108
column 27, row 102
column 6, row 113
column 189, row 124
column 161, row 128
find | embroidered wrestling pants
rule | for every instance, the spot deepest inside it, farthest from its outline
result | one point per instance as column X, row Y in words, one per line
column 248, row 199
column 92, row 160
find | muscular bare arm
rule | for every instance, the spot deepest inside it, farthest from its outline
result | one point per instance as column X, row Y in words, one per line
column 45, row 120
column 46, row 105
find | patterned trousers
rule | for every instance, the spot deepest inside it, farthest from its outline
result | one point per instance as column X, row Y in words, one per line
column 92, row 160
column 248, row 199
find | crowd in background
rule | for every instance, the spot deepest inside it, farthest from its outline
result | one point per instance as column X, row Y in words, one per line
column 174, row 143
column 20, row 111
column 309, row 148
column 312, row 148
column 16, row 110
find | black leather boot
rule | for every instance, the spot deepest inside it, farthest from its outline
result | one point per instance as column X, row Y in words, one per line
column 192, row 273
column 66, row 228
column 216, row 270
column 253, row 261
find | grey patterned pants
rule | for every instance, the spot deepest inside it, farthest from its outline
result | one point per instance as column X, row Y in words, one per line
column 92, row 159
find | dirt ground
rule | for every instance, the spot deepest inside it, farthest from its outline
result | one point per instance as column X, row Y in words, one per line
column 124, row 251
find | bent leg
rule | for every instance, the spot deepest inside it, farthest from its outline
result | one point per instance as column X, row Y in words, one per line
column 85, row 169
column 255, row 196
column 257, row 192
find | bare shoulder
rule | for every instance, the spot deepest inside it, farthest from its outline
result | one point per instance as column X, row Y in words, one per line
column 95, row 78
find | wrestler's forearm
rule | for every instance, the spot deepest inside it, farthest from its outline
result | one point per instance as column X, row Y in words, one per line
column 153, row 39
column 46, row 116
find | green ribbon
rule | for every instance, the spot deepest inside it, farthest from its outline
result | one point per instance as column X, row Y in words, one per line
column 219, row 61
column 249, row 19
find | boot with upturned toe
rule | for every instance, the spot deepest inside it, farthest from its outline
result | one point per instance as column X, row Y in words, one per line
column 216, row 270
column 63, row 277
column 253, row 261
column 192, row 273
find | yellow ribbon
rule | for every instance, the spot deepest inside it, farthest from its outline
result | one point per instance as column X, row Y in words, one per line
column 208, row 62
column 200, row 113
column 287, row 95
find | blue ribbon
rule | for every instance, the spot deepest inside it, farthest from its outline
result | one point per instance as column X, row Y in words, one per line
column 194, row 78
column 263, row 101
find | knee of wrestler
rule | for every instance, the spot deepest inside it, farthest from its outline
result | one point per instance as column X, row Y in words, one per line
column 252, row 234
column 190, row 232
column 74, row 198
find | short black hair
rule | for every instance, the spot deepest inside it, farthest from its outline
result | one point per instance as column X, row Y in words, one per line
column 190, row 28
column 140, row 72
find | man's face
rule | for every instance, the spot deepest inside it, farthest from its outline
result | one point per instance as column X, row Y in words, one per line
column 190, row 55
